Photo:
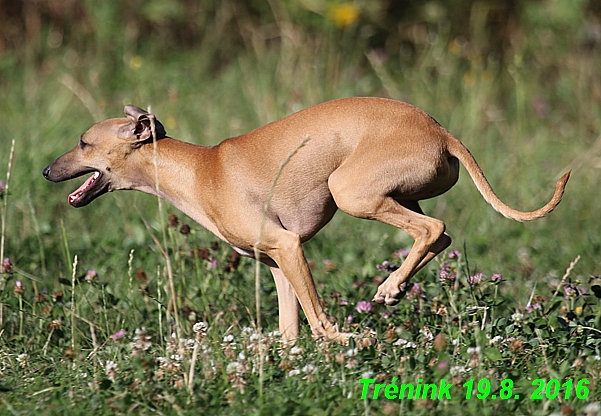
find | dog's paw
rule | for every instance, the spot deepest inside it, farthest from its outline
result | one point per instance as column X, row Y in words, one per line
column 368, row 338
column 389, row 294
column 341, row 338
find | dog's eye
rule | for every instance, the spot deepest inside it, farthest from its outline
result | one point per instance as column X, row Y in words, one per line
column 82, row 144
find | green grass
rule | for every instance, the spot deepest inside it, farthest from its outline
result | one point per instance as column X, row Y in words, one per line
column 56, row 337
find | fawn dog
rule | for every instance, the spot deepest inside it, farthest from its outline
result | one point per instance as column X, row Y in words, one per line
column 274, row 188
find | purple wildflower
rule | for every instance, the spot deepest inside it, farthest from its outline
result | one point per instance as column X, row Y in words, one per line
column 212, row 263
column 570, row 290
column 401, row 254
column 91, row 276
column 454, row 254
column 19, row 289
column 386, row 266
column 118, row 335
column 496, row 277
column 531, row 307
column 387, row 314
column 364, row 307
column 446, row 275
column 540, row 106
column 475, row 279
column 415, row 291
column 7, row 266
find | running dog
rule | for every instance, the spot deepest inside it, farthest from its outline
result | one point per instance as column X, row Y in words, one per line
column 270, row 190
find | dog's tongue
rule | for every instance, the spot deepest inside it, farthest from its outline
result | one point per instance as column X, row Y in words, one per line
column 83, row 188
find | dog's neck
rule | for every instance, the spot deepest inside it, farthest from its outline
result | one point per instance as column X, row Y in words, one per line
column 182, row 171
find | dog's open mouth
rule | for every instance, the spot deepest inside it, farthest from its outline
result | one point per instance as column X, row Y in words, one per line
column 91, row 188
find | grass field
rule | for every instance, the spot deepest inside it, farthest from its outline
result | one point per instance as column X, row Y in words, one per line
column 84, row 322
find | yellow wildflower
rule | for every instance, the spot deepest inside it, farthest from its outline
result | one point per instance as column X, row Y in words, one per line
column 136, row 62
column 344, row 14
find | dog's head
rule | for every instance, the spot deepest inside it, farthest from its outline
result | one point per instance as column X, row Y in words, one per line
column 104, row 151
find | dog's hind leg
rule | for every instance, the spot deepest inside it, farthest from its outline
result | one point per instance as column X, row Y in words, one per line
column 363, row 201
column 441, row 244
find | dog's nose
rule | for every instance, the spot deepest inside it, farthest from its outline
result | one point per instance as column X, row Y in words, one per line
column 46, row 172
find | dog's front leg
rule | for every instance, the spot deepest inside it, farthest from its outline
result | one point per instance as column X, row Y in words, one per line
column 284, row 247
column 287, row 305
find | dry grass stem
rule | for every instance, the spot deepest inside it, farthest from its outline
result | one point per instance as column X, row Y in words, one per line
column 4, row 210
column 73, row 302
column 173, row 297
column 566, row 274
column 84, row 96
column 258, row 256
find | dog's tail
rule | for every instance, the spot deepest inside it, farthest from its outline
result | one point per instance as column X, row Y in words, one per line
column 457, row 149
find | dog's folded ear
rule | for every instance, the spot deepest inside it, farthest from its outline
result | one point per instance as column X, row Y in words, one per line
column 140, row 129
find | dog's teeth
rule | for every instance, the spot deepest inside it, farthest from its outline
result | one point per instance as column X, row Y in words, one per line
column 83, row 188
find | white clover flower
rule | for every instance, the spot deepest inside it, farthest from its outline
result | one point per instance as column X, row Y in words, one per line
column 296, row 350
column 188, row 342
column 228, row 338
column 403, row 343
column 141, row 341
column 367, row 374
column 473, row 350
column 233, row 367
column 496, row 340
column 200, row 327
column 310, row 369
column 459, row 369
column 294, row 372
column 111, row 368
column 170, row 364
column 351, row 352
column 517, row 317
column 425, row 331
column 22, row 360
